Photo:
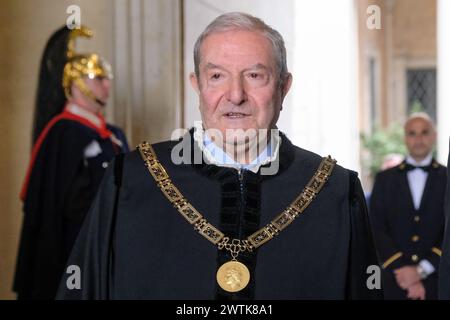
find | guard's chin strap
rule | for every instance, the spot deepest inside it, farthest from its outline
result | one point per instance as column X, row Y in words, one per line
column 100, row 102
column 87, row 92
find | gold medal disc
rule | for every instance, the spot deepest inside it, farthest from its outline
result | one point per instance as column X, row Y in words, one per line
column 233, row 276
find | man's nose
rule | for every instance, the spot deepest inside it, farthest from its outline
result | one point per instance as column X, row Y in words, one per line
column 236, row 92
column 420, row 138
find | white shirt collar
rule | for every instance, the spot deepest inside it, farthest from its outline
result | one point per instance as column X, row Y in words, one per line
column 77, row 110
column 424, row 162
column 215, row 155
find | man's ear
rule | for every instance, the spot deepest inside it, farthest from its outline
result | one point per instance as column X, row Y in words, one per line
column 74, row 91
column 286, row 85
column 285, row 88
column 194, row 82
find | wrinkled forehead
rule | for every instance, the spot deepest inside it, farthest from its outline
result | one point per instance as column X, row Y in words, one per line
column 234, row 46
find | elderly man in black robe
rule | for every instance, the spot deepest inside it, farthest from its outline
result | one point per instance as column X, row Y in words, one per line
column 444, row 267
column 232, row 210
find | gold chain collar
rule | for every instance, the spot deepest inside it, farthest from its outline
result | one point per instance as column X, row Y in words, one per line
column 235, row 246
column 233, row 275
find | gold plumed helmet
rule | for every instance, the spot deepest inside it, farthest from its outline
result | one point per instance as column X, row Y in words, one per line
column 79, row 66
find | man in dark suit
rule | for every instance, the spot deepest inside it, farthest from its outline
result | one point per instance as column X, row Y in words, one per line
column 407, row 214
column 444, row 268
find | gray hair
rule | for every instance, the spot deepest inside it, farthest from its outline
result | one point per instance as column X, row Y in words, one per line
column 243, row 21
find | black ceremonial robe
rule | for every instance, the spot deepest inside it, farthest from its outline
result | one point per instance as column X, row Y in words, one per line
column 61, row 187
column 135, row 245
column 444, row 268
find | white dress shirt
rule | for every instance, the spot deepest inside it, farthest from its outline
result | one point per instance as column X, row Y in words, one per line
column 417, row 179
column 215, row 155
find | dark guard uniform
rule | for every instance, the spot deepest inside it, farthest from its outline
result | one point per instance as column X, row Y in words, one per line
column 404, row 235
column 72, row 148
column 61, row 188
column 444, row 268
column 135, row 245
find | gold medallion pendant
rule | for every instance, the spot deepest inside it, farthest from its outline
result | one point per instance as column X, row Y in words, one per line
column 233, row 276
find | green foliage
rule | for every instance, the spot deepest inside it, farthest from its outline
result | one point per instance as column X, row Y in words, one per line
column 381, row 143
column 416, row 106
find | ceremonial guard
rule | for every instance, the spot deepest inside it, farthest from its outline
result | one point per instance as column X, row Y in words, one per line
column 72, row 148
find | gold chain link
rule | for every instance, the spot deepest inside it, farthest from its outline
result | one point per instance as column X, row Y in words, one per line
column 202, row 226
